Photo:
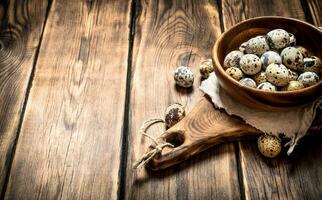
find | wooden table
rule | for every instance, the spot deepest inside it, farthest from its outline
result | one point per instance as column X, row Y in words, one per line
column 78, row 77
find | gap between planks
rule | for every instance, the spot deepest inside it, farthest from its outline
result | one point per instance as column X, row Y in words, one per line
column 135, row 10
column 25, row 101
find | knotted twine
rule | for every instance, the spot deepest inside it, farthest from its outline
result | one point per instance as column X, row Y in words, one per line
column 156, row 148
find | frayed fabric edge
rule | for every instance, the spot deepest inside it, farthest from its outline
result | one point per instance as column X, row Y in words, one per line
column 294, row 138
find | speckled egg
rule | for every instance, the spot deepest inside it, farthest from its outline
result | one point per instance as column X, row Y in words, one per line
column 269, row 146
column 250, row 64
column 173, row 114
column 292, row 75
column 206, row 67
column 312, row 64
column 270, row 57
column 293, row 85
column 242, row 47
column 248, row 82
column 232, row 59
column 257, row 45
column 183, row 77
column 260, row 77
column 292, row 58
column 235, row 73
column 278, row 39
column 267, row 86
column 277, row 74
column 308, row 78
column 304, row 51
column 292, row 39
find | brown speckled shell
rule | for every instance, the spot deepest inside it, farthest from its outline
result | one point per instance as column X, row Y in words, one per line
column 269, row 145
column 206, row 67
column 173, row 114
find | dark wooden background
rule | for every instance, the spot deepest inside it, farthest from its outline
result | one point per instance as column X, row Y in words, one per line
column 78, row 77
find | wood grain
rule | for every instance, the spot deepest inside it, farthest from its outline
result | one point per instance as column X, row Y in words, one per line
column 170, row 34
column 70, row 140
column 315, row 7
column 201, row 129
column 21, row 25
column 287, row 177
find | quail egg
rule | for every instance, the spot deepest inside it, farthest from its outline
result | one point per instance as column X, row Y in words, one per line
column 206, row 67
column 248, row 82
column 278, row 39
column 267, row 86
column 270, row 57
column 242, row 47
column 269, row 146
column 183, row 77
column 250, row 64
column 260, row 77
column 312, row 64
column 304, row 51
column 173, row 114
column 257, row 45
column 235, row 73
column 277, row 74
column 292, row 58
column 293, row 85
column 308, row 78
column 292, row 75
column 292, row 39
column 232, row 59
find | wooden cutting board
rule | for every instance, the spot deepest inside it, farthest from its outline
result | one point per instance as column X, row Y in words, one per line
column 203, row 128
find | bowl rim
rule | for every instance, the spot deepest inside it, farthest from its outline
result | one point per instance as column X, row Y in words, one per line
column 219, row 67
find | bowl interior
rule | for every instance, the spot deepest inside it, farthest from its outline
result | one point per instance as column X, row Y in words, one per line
column 306, row 35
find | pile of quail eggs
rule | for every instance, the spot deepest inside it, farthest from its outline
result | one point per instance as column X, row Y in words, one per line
column 273, row 62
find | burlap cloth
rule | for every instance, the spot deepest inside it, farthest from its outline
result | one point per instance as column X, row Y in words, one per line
column 293, row 123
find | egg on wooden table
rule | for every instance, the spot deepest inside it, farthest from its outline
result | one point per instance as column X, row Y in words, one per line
column 269, row 145
column 206, row 67
column 173, row 114
column 183, row 77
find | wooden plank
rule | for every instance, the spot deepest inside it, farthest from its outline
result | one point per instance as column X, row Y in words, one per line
column 170, row 34
column 287, row 177
column 70, row 140
column 315, row 7
column 21, row 25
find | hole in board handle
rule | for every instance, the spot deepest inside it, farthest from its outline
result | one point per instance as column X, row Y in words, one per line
column 175, row 138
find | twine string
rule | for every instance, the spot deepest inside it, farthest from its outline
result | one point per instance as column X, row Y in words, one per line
column 156, row 148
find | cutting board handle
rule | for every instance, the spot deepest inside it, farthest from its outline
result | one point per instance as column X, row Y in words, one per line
column 197, row 132
column 201, row 129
